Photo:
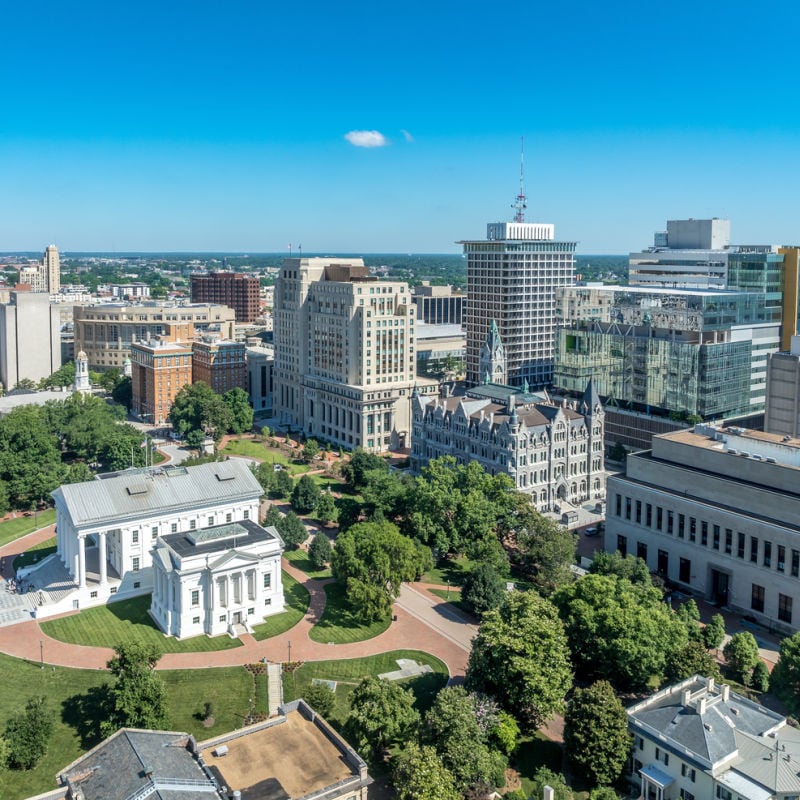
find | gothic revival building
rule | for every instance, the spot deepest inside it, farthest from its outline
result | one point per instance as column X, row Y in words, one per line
column 553, row 452
column 493, row 358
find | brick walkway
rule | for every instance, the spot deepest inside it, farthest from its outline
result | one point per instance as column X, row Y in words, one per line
column 406, row 632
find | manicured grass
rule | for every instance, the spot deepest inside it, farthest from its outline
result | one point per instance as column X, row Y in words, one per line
column 126, row 621
column 299, row 558
column 338, row 623
column 37, row 553
column 453, row 571
column 272, row 455
column 13, row 529
column 297, row 600
column 349, row 672
column 72, row 695
column 453, row 596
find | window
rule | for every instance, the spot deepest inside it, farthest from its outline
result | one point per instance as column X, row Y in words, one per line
column 670, row 521
column 681, row 525
column 195, row 597
column 686, row 795
column 723, row 793
column 685, row 570
column 648, row 515
column 267, row 580
column 622, row 544
column 795, row 563
column 757, row 598
column 659, row 517
column 251, row 611
column 137, row 584
column 692, row 529
column 222, row 618
column 658, row 754
column 754, row 549
column 268, row 601
column 210, row 522
column 135, row 564
column 767, row 554
column 174, row 527
column 113, row 590
column 627, row 508
column 641, row 551
column 715, row 537
column 784, row 608
column 640, row 742
column 192, row 524
column 228, row 517
column 134, row 537
column 195, row 620
column 781, row 558
column 740, row 546
column 92, row 594
column 619, row 505
column 704, row 533
column 728, row 541
column 154, row 531
column 246, row 513
column 638, row 512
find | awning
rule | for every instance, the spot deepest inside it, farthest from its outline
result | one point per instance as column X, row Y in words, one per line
column 656, row 776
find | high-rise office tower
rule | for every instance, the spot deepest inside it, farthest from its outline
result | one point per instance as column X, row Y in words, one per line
column 51, row 269
column 233, row 289
column 512, row 276
column 344, row 354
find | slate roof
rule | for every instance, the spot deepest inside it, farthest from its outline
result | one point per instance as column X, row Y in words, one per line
column 131, row 759
column 135, row 493
column 709, row 732
column 205, row 542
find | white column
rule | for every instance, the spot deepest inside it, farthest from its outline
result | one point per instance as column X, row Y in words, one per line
column 169, row 603
column 81, row 562
column 102, row 556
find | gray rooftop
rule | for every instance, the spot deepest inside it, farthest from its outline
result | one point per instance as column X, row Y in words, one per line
column 702, row 720
column 220, row 538
column 138, row 492
column 132, row 760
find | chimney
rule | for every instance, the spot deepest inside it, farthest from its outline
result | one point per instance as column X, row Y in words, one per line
column 701, row 706
column 686, row 696
column 710, row 684
column 726, row 692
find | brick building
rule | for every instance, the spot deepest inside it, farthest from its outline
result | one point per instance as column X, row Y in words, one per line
column 234, row 289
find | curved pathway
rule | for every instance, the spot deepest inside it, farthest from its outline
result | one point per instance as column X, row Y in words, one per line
column 420, row 625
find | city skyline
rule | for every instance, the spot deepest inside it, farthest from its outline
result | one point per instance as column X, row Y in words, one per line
column 177, row 128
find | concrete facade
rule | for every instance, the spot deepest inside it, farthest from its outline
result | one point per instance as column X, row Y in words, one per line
column 716, row 511
column 782, row 413
column 260, row 366
column 512, row 277
column 30, row 338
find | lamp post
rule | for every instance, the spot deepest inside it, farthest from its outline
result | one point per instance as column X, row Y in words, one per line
column 41, row 653
column 290, row 652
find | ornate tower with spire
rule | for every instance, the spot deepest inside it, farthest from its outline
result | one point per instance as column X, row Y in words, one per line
column 493, row 357
column 82, row 383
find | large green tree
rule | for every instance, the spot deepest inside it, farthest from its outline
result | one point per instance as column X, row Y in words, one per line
column 741, row 655
column 419, row 774
column 305, row 495
column 241, row 412
column 520, row 656
column 320, row 550
column 292, row 530
column 548, row 549
column 372, row 559
column 138, row 696
column 692, row 659
column 596, row 734
column 451, row 726
column 198, row 411
column 28, row 732
column 381, row 713
column 786, row 675
column 483, row 589
column 361, row 462
column 617, row 630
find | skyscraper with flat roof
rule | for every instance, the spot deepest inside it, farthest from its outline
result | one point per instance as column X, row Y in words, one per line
column 512, row 277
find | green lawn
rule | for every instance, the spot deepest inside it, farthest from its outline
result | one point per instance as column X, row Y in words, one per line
column 272, row 455
column 339, row 624
column 299, row 558
column 36, row 553
column 13, row 529
column 349, row 672
column 453, row 596
column 297, row 600
column 72, row 695
column 534, row 752
column 453, row 571
column 125, row 621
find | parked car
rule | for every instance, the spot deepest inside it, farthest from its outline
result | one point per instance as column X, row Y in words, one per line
column 591, row 531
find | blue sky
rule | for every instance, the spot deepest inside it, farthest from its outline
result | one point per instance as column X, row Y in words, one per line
column 222, row 125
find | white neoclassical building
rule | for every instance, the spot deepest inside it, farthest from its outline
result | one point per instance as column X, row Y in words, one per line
column 201, row 524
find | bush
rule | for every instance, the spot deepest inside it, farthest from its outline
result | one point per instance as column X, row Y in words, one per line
column 761, row 677
column 321, row 699
column 27, row 734
column 320, row 551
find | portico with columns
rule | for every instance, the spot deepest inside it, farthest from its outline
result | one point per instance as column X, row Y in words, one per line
column 109, row 528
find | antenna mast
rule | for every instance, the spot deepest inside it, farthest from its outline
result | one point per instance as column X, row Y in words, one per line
column 521, row 202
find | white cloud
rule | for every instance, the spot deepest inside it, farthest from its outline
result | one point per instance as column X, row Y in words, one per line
column 366, row 138
column 406, row 135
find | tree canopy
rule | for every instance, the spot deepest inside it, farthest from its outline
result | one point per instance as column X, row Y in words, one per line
column 520, row 657
column 373, row 559
column 305, row 495
column 617, row 630
column 241, row 412
column 741, row 654
column 198, row 411
column 483, row 589
column 139, row 696
column 381, row 713
column 27, row 733
column 786, row 675
column 596, row 734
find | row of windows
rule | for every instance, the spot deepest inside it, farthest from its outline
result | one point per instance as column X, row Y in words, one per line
column 709, row 534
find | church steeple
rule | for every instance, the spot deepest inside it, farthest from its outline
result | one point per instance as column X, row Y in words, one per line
column 493, row 356
column 590, row 400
